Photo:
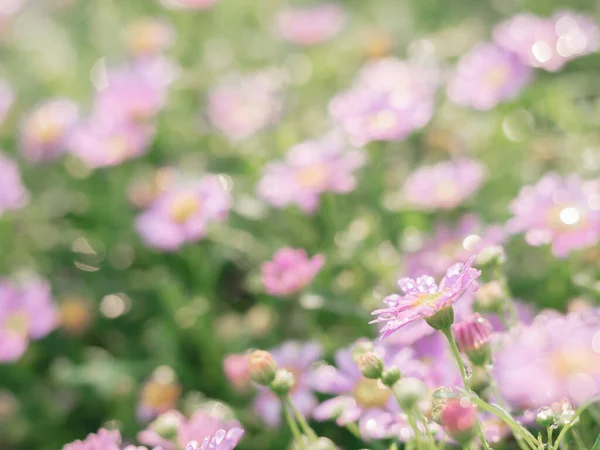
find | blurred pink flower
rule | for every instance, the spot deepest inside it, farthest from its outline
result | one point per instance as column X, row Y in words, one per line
column 423, row 297
column 237, row 370
column 199, row 426
column 183, row 213
column 449, row 245
column 242, row 105
column 221, row 440
column 312, row 24
column 486, row 76
column 309, row 170
column 13, row 194
column 558, row 211
column 149, row 36
column 290, row 271
column 296, row 357
column 45, row 130
column 556, row 357
column 390, row 99
column 103, row 440
column 104, row 143
column 27, row 313
column 549, row 42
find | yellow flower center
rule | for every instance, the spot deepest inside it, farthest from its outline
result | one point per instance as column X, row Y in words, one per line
column 118, row 147
column 566, row 217
column 568, row 363
column 17, row 323
column 371, row 393
column 184, row 207
column 159, row 395
column 497, row 76
column 426, row 299
column 45, row 129
column 383, row 120
column 313, row 176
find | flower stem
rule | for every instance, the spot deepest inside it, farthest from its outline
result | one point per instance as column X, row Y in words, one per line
column 415, row 428
column 550, row 431
column 306, row 428
column 428, row 435
column 293, row 426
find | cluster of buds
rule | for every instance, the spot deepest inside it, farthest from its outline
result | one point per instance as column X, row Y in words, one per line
column 264, row 371
column 473, row 339
column 556, row 416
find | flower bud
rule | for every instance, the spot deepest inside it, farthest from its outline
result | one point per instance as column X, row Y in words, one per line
column 283, row 382
column 322, row 443
column 390, row 376
column 473, row 339
column 490, row 297
column 441, row 320
column 166, row 426
column 409, row 392
column 360, row 347
column 370, row 365
column 491, row 256
column 442, row 395
column 262, row 367
column 459, row 419
column 545, row 417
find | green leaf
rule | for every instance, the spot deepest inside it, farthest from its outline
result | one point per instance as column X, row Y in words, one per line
column 597, row 444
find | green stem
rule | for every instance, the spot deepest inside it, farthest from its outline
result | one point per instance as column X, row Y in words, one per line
column 416, row 431
column 509, row 306
column 550, row 431
column 306, row 428
column 578, row 440
column 456, row 354
column 394, row 446
column 293, row 426
column 430, row 439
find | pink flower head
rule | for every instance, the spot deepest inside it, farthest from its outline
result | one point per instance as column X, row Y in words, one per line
column 131, row 94
column 309, row 170
column 290, row 271
column 44, row 131
column 390, row 99
column 149, row 36
column 237, row 370
column 549, row 43
column 310, row 25
column 472, row 334
column 221, row 440
column 557, row 357
column 188, row 4
column 557, row 211
column 297, row 357
column 13, row 194
column 240, row 106
column 423, row 297
column 7, row 97
column 27, row 313
column 486, row 76
column 199, row 426
column 444, row 185
column 459, row 419
column 101, row 143
column 183, row 213
column 449, row 245
column 103, row 440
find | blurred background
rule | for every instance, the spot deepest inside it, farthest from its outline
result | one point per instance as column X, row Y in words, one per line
column 140, row 328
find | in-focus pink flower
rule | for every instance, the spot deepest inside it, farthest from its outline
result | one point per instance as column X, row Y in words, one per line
column 27, row 312
column 559, row 211
column 44, row 131
column 309, row 170
column 242, row 105
column 184, row 212
column 237, row 370
column 549, row 42
column 290, row 271
column 296, row 357
column 149, row 36
column 103, row 440
column 199, row 426
column 310, row 25
column 13, row 194
column 449, row 245
column 390, row 99
column 221, row 440
column 552, row 359
column 486, row 76
column 444, row 185
column 423, row 297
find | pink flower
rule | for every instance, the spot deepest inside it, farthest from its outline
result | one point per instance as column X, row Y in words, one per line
column 449, row 245
column 290, row 271
column 554, row 358
column 221, row 440
column 459, row 419
column 149, row 36
column 557, row 211
column 45, row 130
column 444, row 185
column 423, row 297
column 310, row 25
column 486, row 76
column 549, row 43
column 237, row 370
column 309, row 170
column 240, row 106
column 13, row 194
column 390, row 99
column 199, row 426
column 103, row 440
column 184, row 212
column 27, row 313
